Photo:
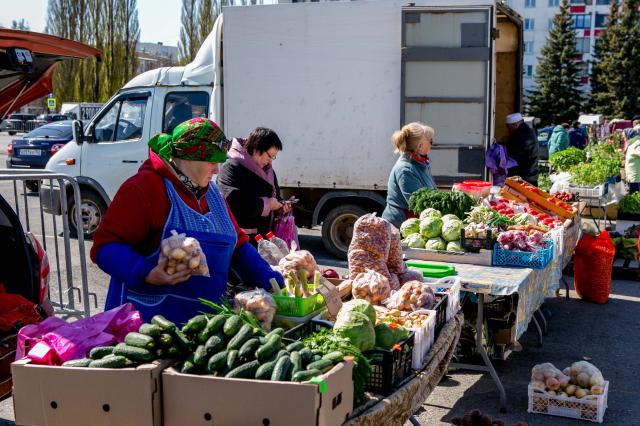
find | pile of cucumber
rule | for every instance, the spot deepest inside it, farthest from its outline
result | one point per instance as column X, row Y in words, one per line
column 160, row 339
column 227, row 347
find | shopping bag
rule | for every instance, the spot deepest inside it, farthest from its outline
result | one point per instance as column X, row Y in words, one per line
column 593, row 263
column 285, row 228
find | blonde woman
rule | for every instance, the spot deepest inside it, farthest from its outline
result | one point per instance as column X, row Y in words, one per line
column 411, row 172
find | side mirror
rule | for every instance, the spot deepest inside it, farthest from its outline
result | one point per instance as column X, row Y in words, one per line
column 78, row 131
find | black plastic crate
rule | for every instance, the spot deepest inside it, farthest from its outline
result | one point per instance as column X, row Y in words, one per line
column 501, row 307
column 441, row 311
column 474, row 245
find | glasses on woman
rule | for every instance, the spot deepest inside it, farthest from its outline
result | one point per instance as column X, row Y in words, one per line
column 272, row 157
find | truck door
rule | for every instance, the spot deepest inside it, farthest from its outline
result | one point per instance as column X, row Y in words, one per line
column 446, row 81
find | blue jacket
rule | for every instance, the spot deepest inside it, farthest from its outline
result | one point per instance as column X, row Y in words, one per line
column 559, row 140
column 407, row 176
column 577, row 138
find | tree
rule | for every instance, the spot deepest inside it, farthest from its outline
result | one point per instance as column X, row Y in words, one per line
column 604, row 65
column 557, row 96
column 20, row 25
column 188, row 45
column 206, row 18
column 624, row 84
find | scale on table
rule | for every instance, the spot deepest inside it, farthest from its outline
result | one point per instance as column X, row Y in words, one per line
column 429, row 270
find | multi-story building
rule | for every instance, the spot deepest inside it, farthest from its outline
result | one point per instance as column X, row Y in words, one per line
column 155, row 55
column 588, row 16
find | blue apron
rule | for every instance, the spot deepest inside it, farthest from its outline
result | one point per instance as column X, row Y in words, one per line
column 217, row 237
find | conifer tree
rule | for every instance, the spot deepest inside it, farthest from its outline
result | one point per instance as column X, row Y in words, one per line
column 604, row 65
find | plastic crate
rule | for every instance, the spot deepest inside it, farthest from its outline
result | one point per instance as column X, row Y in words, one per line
column 585, row 191
column 298, row 306
column 440, row 309
column 591, row 407
column 424, row 338
column 474, row 245
column 452, row 286
column 500, row 308
column 526, row 259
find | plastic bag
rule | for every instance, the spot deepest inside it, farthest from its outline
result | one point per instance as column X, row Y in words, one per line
column 60, row 341
column 259, row 303
column 547, row 377
column 411, row 274
column 371, row 233
column 560, row 182
column 361, row 261
column 395, row 261
column 593, row 263
column 181, row 253
column 284, row 227
column 585, row 375
column 412, row 296
column 298, row 260
column 371, row 286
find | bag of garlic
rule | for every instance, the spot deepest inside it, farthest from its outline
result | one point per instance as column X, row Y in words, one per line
column 181, row 253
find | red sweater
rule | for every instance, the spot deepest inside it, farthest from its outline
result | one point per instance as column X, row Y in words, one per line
column 139, row 210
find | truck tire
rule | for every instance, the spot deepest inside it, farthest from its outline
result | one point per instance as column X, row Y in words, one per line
column 337, row 228
column 92, row 211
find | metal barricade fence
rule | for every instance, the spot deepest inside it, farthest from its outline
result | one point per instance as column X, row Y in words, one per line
column 67, row 297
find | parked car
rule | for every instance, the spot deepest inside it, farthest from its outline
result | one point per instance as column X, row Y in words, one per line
column 544, row 135
column 34, row 149
column 15, row 123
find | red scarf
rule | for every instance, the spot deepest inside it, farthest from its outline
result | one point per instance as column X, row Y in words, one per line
column 419, row 158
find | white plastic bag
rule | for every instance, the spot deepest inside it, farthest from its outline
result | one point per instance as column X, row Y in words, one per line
column 371, row 286
column 181, row 253
column 412, row 296
column 259, row 303
column 560, row 181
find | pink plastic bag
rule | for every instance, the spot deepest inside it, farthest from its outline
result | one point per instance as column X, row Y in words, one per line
column 55, row 341
column 284, row 227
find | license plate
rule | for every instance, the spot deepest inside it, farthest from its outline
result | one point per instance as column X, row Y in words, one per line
column 30, row 152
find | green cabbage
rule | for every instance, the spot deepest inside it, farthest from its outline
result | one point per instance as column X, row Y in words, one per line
column 451, row 230
column 448, row 217
column 454, row 246
column 435, row 244
column 430, row 227
column 356, row 327
column 410, row 226
column 429, row 212
column 359, row 305
column 525, row 219
column 385, row 336
column 414, row 241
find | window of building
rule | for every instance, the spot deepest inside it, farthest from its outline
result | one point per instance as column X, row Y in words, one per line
column 550, row 24
column 581, row 21
column 601, row 20
column 583, row 44
column 577, row 1
column 528, row 47
column 554, row 3
column 529, row 3
column 529, row 24
column 603, row 1
column 528, row 71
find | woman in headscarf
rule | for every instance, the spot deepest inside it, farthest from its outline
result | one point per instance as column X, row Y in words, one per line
column 173, row 190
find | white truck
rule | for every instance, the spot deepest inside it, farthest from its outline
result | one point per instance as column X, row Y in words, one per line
column 334, row 80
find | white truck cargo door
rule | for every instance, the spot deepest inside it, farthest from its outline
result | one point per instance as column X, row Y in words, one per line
column 446, row 72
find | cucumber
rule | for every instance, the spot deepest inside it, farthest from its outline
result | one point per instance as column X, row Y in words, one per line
column 188, row 366
column 335, row 356
column 316, row 358
column 101, row 351
column 160, row 353
column 232, row 325
column 233, row 359
column 109, row 362
column 244, row 334
column 214, row 344
column 200, row 357
column 262, row 340
column 267, row 350
column 282, row 370
column 305, row 375
column 133, row 353
column 248, row 349
column 279, row 331
column 323, row 365
column 172, row 352
column 217, row 362
column 195, row 325
column 82, row 362
column 316, row 352
column 265, row 371
column 245, row 371
column 296, row 361
column 164, row 340
column 181, row 340
column 139, row 340
column 306, row 355
column 295, row 346
column 214, row 326
column 166, row 325
column 283, row 352
column 152, row 330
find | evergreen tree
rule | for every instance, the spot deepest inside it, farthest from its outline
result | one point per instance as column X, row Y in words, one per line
column 188, row 45
column 604, row 65
column 557, row 97
column 625, row 91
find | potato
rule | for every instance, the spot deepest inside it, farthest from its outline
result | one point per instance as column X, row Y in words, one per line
column 580, row 393
column 178, row 254
column 583, row 379
column 171, row 271
column 194, row 262
column 180, row 267
column 172, row 263
column 166, row 250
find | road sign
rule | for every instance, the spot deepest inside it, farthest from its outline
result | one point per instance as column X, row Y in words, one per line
column 51, row 103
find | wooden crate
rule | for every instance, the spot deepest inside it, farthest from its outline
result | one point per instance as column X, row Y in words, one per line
column 516, row 185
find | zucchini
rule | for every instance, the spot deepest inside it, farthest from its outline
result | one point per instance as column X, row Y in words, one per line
column 200, row 357
column 282, row 370
column 279, row 331
column 195, row 325
column 133, row 353
column 265, row 371
column 296, row 361
column 188, row 366
column 82, row 362
column 109, row 362
column 335, row 356
column 245, row 371
column 166, row 325
column 217, row 362
column 306, row 355
column 305, row 375
column 233, row 359
column 232, row 325
column 182, row 340
column 248, row 349
column 267, row 350
column 214, row 344
column 164, row 340
column 295, row 346
column 100, row 352
column 152, row 330
column 139, row 340
column 323, row 365
column 244, row 334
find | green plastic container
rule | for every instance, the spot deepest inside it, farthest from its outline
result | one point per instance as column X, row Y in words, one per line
column 298, row 306
column 432, row 271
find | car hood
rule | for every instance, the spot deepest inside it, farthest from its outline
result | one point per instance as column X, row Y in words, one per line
column 18, row 88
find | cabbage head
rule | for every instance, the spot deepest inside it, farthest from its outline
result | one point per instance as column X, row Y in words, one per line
column 435, row 244
column 429, row 212
column 430, row 227
column 359, row 305
column 356, row 327
column 414, row 241
column 385, row 336
column 454, row 246
column 410, row 226
column 451, row 230
column 449, row 217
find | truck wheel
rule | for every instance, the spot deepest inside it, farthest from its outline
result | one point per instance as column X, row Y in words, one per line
column 337, row 228
column 92, row 211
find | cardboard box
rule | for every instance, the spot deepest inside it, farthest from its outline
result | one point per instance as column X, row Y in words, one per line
column 207, row 400
column 68, row 396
